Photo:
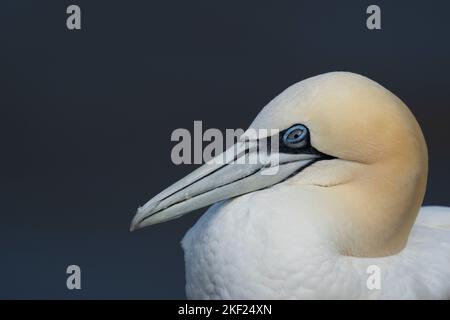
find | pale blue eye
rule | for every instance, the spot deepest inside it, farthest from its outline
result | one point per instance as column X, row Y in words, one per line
column 295, row 136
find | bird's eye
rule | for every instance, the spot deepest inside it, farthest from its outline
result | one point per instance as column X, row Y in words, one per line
column 295, row 136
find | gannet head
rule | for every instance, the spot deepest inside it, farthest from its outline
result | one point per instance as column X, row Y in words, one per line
column 342, row 135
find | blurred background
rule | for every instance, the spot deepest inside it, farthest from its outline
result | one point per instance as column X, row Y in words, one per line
column 86, row 117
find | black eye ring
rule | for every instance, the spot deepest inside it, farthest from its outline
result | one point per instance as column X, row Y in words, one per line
column 295, row 136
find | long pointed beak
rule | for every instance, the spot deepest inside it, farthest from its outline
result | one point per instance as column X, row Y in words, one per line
column 219, row 180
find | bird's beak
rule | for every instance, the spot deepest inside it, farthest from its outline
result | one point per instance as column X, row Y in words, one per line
column 228, row 175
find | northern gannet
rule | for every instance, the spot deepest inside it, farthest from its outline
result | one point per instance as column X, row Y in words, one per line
column 350, row 185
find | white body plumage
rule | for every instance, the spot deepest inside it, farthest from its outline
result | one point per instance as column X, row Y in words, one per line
column 246, row 249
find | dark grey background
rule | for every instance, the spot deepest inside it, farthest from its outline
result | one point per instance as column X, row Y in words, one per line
column 86, row 117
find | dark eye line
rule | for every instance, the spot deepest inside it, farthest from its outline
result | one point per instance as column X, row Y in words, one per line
column 305, row 147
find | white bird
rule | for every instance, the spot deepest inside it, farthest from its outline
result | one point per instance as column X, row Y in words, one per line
column 340, row 211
